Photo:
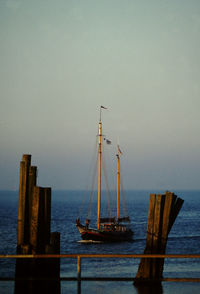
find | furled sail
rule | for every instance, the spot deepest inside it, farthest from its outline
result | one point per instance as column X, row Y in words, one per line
column 123, row 219
column 107, row 220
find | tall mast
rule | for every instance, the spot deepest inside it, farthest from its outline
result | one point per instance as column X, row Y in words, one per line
column 99, row 177
column 99, row 174
column 118, row 185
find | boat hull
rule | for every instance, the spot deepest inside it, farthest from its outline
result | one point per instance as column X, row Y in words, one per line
column 104, row 236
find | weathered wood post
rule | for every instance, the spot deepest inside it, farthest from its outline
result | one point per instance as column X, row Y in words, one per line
column 34, row 236
column 23, row 211
column 53, row 264
column 163, row 210
column 32, row 184
column 47, row 215
column 40, row 219
column 23, row 222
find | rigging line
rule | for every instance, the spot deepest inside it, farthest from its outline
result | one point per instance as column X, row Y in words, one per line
column 87, row 184
column 113, row 182
column 123, row 196
column 107, row 186
column 111, row 162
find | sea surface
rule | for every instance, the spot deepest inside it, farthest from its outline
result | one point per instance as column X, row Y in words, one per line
column 184, row 238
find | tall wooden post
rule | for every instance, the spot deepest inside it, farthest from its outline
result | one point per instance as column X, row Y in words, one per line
column 47, row 214
column 23, row 213
column 163, row 210
column 52, row 267
column 34, row 236
column 37, row 224
column 32, row 184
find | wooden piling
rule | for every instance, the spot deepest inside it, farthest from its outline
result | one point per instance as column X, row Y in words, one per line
column 176, row 208
column 157, row 232
column 47, row 214
column 52, row 265
column 23, row 208
column 163, row 210
column 54, row 248
column 37, row 226
column 32, row 184
column 170, row 199
column 34, row 235
column 150, row 226
column 144, row 270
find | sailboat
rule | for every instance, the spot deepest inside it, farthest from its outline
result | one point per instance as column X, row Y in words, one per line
column 109, row 229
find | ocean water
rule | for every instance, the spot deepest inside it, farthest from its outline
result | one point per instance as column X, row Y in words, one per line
column 184, row 238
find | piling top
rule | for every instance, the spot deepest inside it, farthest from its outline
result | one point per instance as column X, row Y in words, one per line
column 26, row 157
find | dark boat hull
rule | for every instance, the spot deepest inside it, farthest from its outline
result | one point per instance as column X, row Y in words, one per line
column 104, row 236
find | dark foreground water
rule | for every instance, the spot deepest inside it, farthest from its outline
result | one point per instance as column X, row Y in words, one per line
column 183, row 239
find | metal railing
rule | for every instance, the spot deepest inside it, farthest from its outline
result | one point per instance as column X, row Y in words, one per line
column 79, row 257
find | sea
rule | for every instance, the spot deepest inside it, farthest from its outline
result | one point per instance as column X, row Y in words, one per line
column 66, row 206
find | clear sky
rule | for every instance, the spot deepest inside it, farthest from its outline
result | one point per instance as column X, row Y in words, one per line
column 60, row 60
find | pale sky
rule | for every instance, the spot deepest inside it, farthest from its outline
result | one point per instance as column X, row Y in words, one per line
column 60, row 60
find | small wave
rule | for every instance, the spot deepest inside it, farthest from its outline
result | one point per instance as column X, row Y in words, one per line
column 184, row 237
column 90, row 242
column 138, row 240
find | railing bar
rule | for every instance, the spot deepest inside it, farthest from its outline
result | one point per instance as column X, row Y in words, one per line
column 132, row 279
column 79, row 256
column 181, row 280
column 14, row 256
column 104, row 279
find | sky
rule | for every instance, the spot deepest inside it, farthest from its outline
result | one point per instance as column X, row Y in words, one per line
column 60, row 60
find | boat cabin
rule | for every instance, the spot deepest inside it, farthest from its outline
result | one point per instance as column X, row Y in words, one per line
column 112, row 227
